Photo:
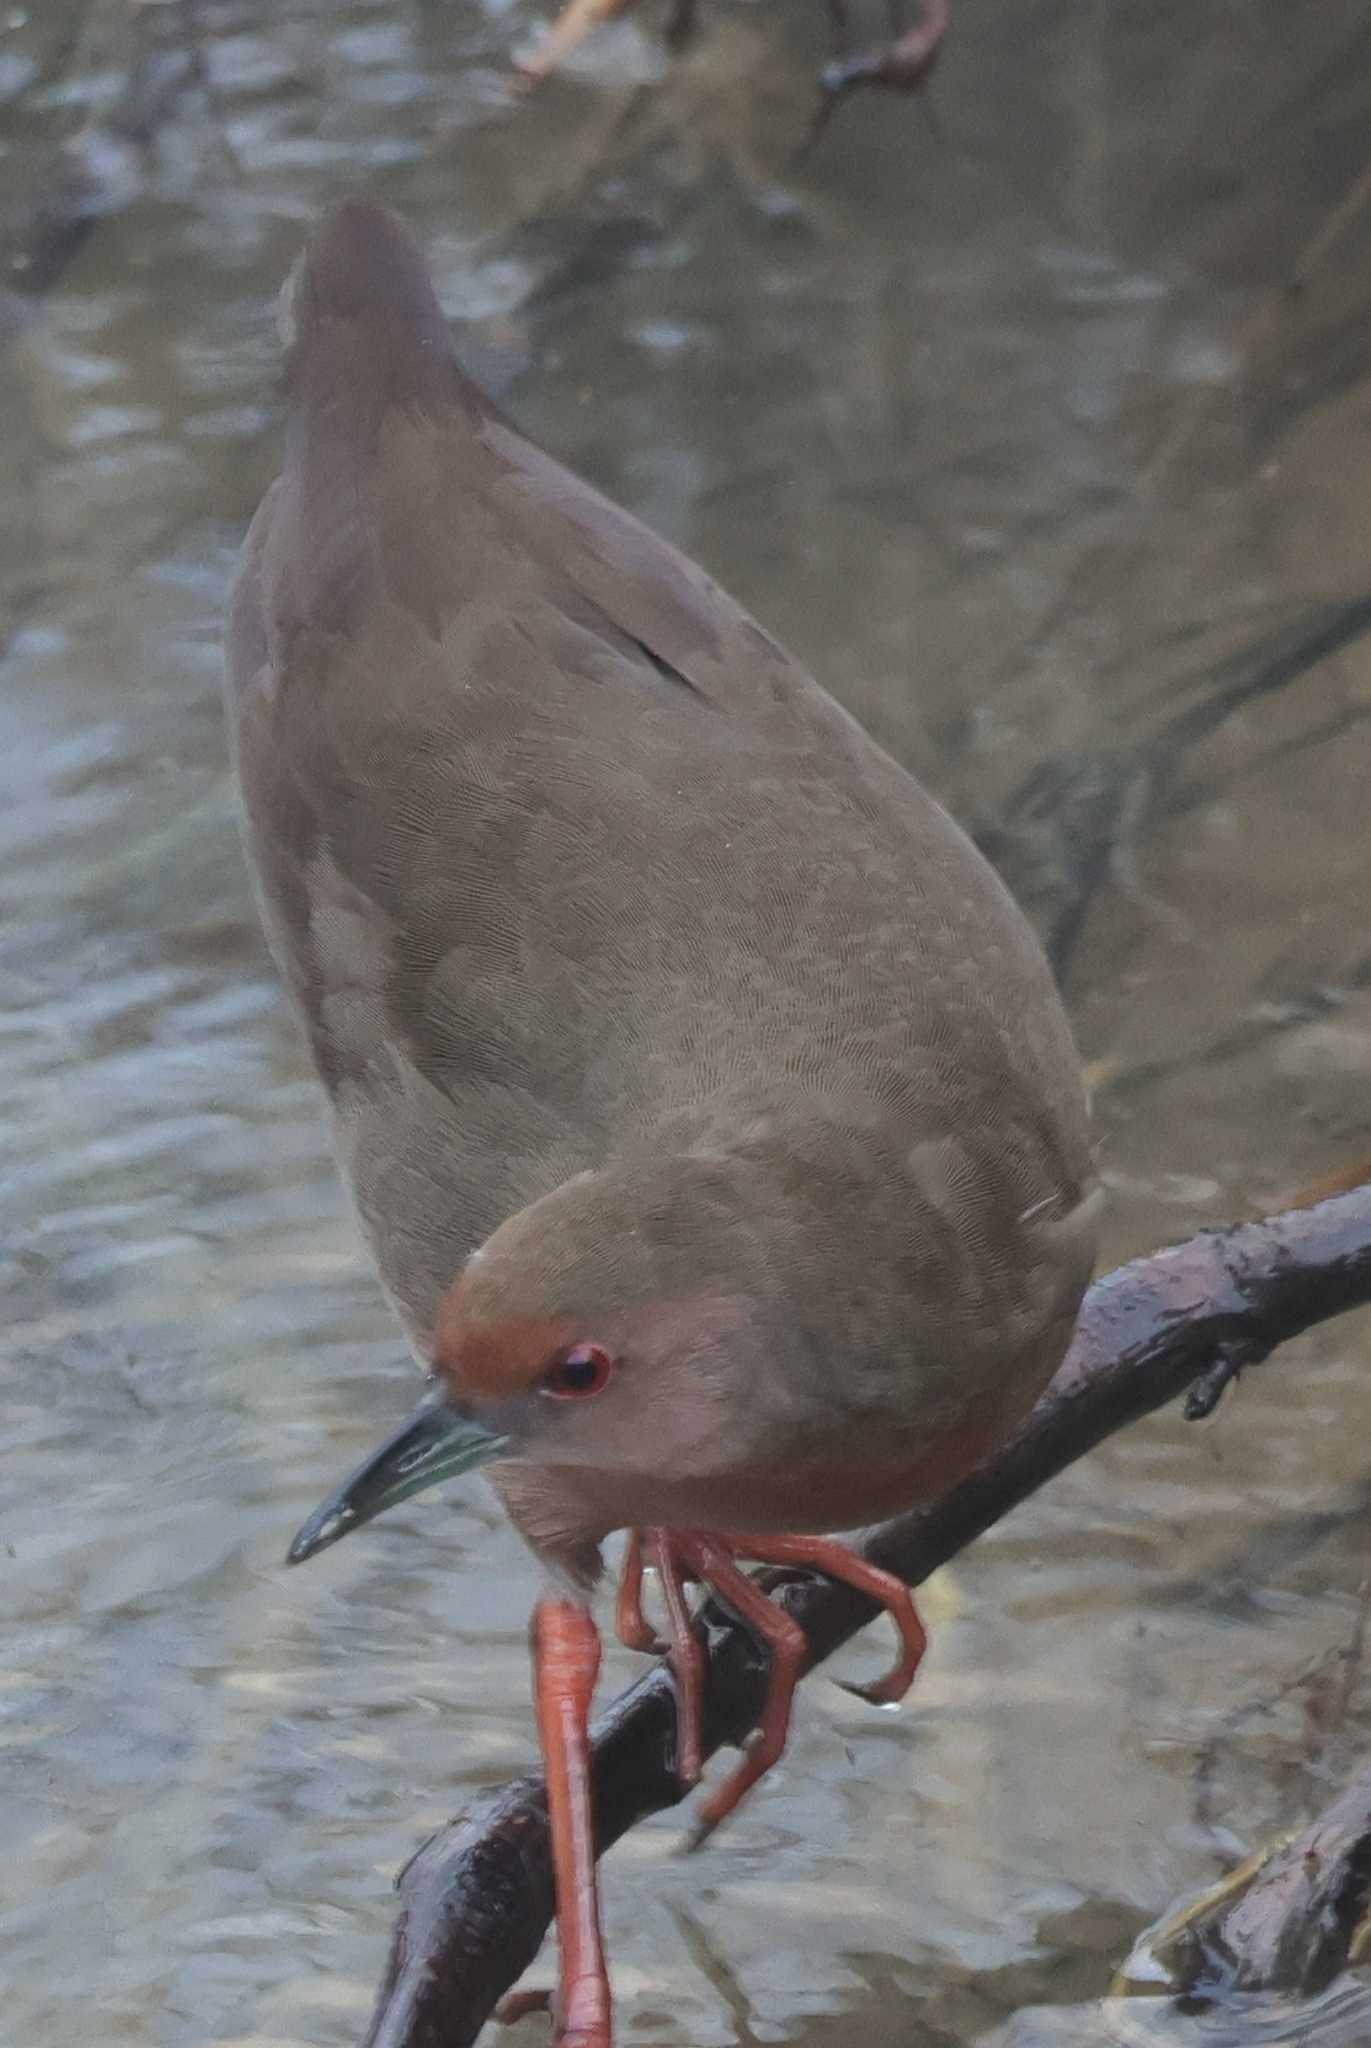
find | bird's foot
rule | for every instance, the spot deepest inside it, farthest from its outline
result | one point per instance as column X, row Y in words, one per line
column 592, row 2030
column 517, row 2005
column 586, row 2023
column 682, row 1557
column 891, row 1594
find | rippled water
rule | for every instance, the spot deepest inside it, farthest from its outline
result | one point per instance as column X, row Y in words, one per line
column 1009, row 426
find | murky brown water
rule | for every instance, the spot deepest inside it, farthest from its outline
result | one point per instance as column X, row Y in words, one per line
column 1009, row 429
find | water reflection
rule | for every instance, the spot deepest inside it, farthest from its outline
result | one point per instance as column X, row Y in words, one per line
column 999, row 429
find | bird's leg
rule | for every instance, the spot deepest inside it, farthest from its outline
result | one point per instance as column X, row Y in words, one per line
column 517, row 2005
column 685, row 1649
column 631, row 1625
column 710, row 1560
column 567, row 32
column 836, row 1561
column 687, row 1661
column 566, row 1662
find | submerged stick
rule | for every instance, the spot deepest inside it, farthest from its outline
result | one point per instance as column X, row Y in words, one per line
column 477, row 1899
column 1302, row 1920
column 1287, row 1921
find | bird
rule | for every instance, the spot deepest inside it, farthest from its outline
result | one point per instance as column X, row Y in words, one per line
column 706, row 1102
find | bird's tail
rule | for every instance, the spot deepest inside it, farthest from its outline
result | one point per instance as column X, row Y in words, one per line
column 366, row 342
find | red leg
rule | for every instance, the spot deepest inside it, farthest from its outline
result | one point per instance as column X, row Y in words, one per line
column 631, row 1625
column 838, row 1562
column 568, row 31
column 710, row 1559
column 566, row 1661
column 687, row 1661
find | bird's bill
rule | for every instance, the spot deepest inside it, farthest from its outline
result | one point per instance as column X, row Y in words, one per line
column 436, row 1443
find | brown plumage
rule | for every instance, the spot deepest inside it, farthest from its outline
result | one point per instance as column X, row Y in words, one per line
column 675, row 1038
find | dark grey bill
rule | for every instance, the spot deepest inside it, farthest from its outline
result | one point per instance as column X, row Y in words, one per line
column 436, row 1443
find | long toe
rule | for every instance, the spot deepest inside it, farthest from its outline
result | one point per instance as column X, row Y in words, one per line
column 823, row 1554
column 517, row 2005
column 593, row 2027
column 711, row 1560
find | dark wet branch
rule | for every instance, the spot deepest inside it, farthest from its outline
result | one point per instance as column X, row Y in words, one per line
column 1297, row 1925
column 1288, row 1921
column 477, row 1900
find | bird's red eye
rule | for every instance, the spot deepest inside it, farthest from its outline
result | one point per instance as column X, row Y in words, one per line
column 577, row 1372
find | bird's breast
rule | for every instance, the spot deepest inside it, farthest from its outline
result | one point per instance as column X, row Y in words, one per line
column 564, row 1510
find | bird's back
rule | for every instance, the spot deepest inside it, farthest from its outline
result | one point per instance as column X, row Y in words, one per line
column 562, row 857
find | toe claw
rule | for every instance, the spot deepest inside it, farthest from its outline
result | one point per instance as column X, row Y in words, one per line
column 878, row 1694
column 695, row 1836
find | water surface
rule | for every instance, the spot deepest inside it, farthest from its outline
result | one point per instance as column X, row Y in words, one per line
column 1011, row 427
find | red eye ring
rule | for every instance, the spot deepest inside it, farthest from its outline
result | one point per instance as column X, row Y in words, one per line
column 578, row 1372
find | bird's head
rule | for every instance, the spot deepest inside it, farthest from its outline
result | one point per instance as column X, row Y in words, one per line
column 619, row 1323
